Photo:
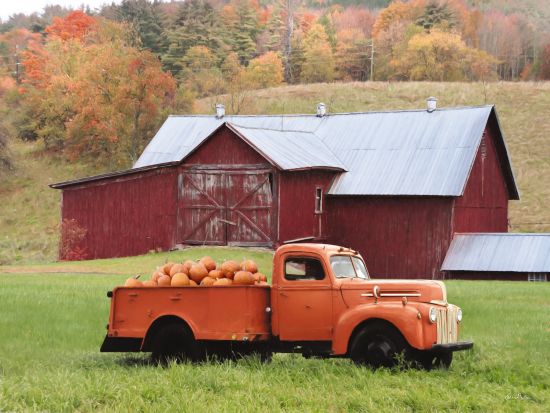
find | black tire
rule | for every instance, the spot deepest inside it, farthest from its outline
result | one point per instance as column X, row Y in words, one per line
column 174, row 342
column 378, row 345
column 430, row 360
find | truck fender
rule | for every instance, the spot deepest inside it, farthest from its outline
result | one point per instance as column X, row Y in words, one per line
column 403, row 318
column 160, row 322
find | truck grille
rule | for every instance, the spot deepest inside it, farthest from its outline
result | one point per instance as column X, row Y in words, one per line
column 447, row 328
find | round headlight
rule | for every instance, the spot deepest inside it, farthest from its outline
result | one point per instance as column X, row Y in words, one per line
column 433, row 315
column 459, row 315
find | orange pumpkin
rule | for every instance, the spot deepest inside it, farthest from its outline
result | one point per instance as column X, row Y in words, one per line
column 133, row 282
column 164, row 281
column 260, row 277
column 179, row 279
column 207, row 282
column 208, row 263
column 156, row 275
column 229, row 268
column 187, row 266
column 166, row 268
column 244, row 278
column 149, row 283
column 215, row 274
column 176, row 268
column 222, row 281
column 198, row 272
column 250, row 266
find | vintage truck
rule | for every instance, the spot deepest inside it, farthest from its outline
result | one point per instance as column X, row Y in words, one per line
column 321, row 303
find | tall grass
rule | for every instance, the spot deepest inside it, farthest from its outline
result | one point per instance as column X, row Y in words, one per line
column 52, row 326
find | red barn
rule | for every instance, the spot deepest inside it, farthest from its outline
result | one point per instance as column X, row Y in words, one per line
column 394, row 185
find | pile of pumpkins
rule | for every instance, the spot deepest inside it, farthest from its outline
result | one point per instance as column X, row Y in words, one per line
column 205, row 272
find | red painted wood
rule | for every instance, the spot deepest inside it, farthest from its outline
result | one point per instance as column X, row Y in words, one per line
column 297, row 217
column 484, row 205
column 221, row 207
column 224, row 148
column 399, row 237
column 125, row 216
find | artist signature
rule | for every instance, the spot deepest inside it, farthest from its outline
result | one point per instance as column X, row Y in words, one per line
column 517, row 396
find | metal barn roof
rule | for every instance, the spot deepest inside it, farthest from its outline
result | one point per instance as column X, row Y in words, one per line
column 506, row 252
column 385, row 153
column 290, row 150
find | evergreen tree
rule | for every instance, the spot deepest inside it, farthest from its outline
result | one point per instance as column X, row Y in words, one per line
column 438, row 15
column 147, row 21
column 195, row 25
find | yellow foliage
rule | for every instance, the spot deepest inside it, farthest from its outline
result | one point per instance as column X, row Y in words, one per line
column 265, row 70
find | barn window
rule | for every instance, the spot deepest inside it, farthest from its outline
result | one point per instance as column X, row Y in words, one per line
column 303, row 269
column 537, row 276
column 318, row 200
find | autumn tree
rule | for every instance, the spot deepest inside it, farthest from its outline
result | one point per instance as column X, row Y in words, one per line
column 353, row 54
column 200, row 72
column 318, row 63
column 91, row 94
column 265, row 71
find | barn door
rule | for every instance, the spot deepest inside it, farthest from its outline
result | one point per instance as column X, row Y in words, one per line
column 226, row 207
column 202, row 208
column 250, row 208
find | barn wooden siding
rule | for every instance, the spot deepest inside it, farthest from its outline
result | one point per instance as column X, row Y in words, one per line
column 484, row 205
column 124, row 216
column 297, row 216
column 399, row 237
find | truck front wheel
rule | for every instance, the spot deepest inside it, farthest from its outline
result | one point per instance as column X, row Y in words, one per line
column 378, row 345
column 174, row 342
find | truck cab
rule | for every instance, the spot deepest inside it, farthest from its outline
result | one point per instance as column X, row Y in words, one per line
column 322, row 302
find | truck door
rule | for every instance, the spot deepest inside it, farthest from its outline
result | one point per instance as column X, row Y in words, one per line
column 304, row 300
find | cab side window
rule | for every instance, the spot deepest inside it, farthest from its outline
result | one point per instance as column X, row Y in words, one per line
column 297, row 269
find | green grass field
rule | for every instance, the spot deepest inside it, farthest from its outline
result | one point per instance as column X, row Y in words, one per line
column 53, row 324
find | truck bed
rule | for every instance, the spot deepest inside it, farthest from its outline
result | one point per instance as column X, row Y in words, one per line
column 212, row 313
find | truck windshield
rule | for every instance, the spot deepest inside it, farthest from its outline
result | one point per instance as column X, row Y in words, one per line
column 344, row 266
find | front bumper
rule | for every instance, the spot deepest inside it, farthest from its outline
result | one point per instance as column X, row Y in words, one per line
column 450, row 347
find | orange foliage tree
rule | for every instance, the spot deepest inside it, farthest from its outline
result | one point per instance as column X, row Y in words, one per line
column 265, row 70
column 90, row 94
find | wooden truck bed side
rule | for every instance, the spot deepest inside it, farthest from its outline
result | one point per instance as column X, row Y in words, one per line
column 212, row 313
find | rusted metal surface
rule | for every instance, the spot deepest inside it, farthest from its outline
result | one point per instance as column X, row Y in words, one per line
column 499, row 253
column 385, row 153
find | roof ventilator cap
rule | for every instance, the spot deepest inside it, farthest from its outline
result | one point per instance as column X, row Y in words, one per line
column 220, row 111
column 431, row 104
column 321, row 109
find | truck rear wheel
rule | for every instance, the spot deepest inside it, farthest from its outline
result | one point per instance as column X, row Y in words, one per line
column 174, row 342
column 378, row 345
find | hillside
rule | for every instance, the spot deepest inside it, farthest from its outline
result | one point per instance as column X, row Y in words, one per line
column 29, row 209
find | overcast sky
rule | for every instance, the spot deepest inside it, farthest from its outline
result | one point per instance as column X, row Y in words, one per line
column 9, row 7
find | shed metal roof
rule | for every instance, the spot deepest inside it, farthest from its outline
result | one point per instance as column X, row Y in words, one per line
column 499, row 252
column 290, row 150
column 385, row 153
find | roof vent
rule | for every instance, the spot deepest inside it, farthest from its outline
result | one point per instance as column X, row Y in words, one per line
column 321, row 109
column 431, row 103
column 220, row 111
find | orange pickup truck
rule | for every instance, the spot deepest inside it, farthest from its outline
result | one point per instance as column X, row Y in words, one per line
column 321, row 303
